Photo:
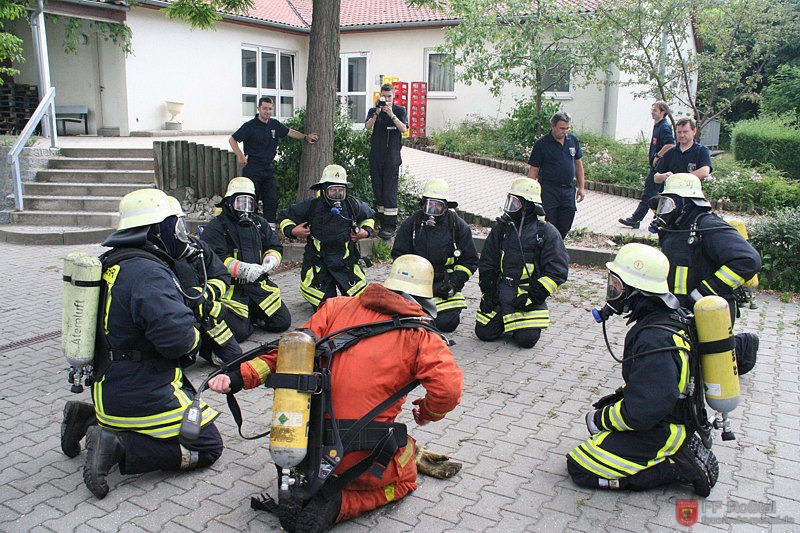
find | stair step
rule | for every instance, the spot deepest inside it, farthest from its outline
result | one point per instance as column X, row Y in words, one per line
column 72, row 203
column 81, row 189
column 48, row 235
column 116, row 163
column 96, row 176
column 64, row 218
column 107, row 152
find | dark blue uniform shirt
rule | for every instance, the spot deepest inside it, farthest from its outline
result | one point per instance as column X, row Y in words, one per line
column 662, row 134
column 261, row 139
column 556, row 163
column 676, row 161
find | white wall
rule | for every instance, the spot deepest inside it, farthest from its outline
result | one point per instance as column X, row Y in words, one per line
column 200, row 68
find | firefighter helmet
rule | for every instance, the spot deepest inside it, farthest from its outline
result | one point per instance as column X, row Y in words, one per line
column 240, row 185
column 332, row 175
column 686, row 186
column 528, row 189
column 641, row 266
column 411, row 274
column 143, row 207
column 177, row 209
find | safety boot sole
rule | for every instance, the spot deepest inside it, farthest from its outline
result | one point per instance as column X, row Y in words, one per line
column 78, row 416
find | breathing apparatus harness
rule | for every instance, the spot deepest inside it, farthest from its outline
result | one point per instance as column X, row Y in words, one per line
column 337, row 210
column 329, row 438
column 507, row 221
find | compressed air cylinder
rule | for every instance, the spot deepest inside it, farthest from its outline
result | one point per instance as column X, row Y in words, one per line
column 69, row 262
column 741, row 227
column 717, row 360
column 79, row 315
column 288, row 438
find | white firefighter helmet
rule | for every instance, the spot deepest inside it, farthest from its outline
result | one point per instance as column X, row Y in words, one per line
column 143, row 207
column 527, row 188
column 411, row 274
column 332, row 175
column 643, row 267
column 686, row 186
column 438, row 189
column 240, row 185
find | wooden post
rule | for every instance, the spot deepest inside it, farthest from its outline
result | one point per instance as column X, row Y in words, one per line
column 179, row 164
column 173, row 169
column 187, row 178
column 158, row 156
column 209, row 179
column 193, row 178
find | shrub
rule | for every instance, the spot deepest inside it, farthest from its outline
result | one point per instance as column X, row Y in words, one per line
column 524, row 125
column 777, row 238
column 351, row 150
column 782, row 95
column 610, row 161
column 768, row 140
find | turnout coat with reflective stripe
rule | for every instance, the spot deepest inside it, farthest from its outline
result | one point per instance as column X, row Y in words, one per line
column 503, row 260
column 145, row 312
column 640, row 430
column 719, row 262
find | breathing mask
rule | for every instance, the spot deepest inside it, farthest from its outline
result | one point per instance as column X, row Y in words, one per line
column 173, row 236
column 334, row 196
column 432, row 208
column 616, row 299
column 668, row 210
column 243, row 206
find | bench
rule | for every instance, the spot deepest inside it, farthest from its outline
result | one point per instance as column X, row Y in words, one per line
column 72, row 113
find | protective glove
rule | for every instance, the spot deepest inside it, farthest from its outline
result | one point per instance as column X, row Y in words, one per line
column 270, row 262
column 246, row 271
column 444, row 289
column 421, row 414
column 520, row 302
column 458, row 279
column 537, row 293
column 489, row 303
column 435, row 464
column 590, row 425
column 609, row 399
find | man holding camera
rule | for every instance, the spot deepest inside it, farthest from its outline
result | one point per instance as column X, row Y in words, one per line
column 388, row 122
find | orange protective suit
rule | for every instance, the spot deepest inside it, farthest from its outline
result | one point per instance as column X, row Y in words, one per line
column 370, row 371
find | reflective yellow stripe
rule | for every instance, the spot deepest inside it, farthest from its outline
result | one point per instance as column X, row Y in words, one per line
column 272, row 302
column 457, row 301
column 681, row 280
column 462, row 268
column 221, row 333
column 537, row 318
column 548, row 283
column 110, row 277
column 388, row 491
column 285, row 223
column 312, row 295
column 217, row 288
column 261, row 367
column 615, row 416
column 677, row 434
column 239, row 308
column 276, row 253
column 369, row 223
column 683, row 380
column 729, row 277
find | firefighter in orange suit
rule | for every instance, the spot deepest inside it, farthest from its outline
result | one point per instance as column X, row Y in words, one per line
column 364, row 375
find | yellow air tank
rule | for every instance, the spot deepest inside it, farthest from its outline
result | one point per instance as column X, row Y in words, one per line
column 80, row 302
column 717, row 357
column 288, row 439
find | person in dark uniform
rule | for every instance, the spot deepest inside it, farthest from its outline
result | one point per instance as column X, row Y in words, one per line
column 523, row 261
column 661, row 141
column 689, row 156
column 332, row 224
column 639, row 439
column 249, row 249
column 706, row 254
column 140, row 392
column 260, row 137
column 206, row 280
column 438, row 234
column 555, row 162
column 388, row 122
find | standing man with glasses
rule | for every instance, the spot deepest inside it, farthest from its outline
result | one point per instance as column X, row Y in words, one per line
column 689, row 156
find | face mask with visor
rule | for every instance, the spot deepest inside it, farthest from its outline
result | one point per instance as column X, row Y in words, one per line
column 513, row 204
column 667, row 211
column 243, row 206
column 433, row 207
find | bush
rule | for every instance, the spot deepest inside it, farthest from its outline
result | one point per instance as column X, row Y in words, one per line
column 522, row 127
column 777, row 238
column 350, row 150
column 782, row 95
column 610, row 161
column 768, row 140
column 760, row 189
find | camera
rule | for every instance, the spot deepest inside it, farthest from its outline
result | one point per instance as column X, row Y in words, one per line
column 381, row 101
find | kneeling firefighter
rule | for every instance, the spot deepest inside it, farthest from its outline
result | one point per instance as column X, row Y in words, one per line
column 523, row 261
column 352, row 432
column 438, row 234
column 643, row 435
column 145, row 335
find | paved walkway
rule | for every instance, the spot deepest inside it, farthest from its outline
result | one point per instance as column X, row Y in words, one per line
column 521, row 412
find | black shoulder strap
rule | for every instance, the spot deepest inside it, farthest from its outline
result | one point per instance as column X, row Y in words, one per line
column 117, row 255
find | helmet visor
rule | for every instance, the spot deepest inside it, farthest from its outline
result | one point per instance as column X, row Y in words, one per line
column 243, row 203
column 513, row 204
column 615, row 288
column 181, row 233
column 335, row 193
column 434, row 207
column 666, row 205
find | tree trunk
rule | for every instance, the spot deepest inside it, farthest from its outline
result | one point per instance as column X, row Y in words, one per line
column 321, row 84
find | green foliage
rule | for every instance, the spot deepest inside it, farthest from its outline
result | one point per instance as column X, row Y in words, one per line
column 610, row 161
column 769, row 140
column 204, row 14
column 782, row 95
column 10, row 45
column 777, row 238
column 381, row 251
column 522, row 127
column 350, row 150
column 117, row 33
column 760, row 189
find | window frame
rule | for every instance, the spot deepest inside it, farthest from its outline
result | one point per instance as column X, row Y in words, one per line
column 341, row 90
column 561, row 95
column 277, row 94
column 426, row 75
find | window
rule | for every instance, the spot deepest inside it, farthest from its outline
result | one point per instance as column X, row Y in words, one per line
column 353, row 86
column 441, row 72
column 556, row 79
column 262, row 70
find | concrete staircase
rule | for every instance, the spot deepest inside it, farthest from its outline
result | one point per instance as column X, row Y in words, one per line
column 75, row 200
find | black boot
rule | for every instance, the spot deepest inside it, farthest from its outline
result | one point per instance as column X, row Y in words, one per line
column 696, row 466
column 318, row 515
column 78, row 416
column 630, row 222
column 746, row 352
column 103, row 450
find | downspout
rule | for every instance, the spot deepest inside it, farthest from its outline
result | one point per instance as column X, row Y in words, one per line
column 606, row 101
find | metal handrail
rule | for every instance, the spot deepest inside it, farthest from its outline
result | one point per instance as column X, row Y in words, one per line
column 13, row 156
